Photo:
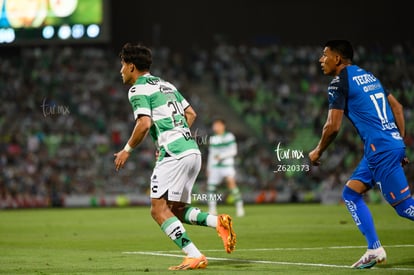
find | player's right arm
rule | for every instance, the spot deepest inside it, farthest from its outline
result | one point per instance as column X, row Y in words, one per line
column 398, row 111
column 337, row 97
column 141, row 107
column 329, row 132
column 141, row 129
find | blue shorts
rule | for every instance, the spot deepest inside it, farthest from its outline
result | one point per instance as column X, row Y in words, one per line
column 385, row 170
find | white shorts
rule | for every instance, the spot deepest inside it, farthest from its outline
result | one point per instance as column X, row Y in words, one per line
column 216, row 175
column 175, row 178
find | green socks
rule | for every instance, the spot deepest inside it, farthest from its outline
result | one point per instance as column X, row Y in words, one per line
column 175, row 230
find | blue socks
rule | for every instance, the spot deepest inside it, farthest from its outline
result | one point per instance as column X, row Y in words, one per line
column 406, row 209
column 362, row 216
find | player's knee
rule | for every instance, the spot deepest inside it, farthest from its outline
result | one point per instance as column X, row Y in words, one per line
column 350, row 195
column 406, row 209
column 157, row 210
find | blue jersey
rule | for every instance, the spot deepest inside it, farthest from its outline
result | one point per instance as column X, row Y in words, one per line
column 364, row 101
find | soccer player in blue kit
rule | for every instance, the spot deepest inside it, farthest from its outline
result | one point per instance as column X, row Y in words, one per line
column 379, row 120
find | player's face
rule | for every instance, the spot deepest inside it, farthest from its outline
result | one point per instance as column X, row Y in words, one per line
column 219, row 128
column 126, row 72
column 328, row 61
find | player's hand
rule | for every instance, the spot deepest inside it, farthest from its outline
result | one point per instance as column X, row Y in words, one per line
column 120, row 159
column 405, row 161
column 314, row 157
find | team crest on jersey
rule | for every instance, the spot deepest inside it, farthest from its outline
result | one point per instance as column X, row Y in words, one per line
column 153, row 81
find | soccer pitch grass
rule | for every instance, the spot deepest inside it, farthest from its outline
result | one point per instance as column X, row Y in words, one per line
column 272, row 239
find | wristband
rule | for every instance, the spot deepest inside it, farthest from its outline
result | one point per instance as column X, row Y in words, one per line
column 128, row 148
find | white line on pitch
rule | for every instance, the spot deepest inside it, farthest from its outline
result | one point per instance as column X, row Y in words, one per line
column 238, row 260
column 258, row 261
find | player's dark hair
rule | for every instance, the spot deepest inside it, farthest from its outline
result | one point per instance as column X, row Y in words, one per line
column 137, row 54
column 343, row 47
column 219, row 119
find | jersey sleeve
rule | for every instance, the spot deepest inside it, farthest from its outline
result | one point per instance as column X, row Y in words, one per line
column 337, row 94
column 182, row 100
column 140, row 103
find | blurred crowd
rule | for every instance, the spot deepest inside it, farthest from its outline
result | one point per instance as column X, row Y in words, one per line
column 64, row 111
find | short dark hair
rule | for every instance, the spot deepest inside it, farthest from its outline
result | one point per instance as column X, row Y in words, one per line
column 137, row 54
column 343, row 47
column 219, row 119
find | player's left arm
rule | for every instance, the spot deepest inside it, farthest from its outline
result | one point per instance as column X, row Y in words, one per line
column 329, row 132
column 141, row 129
column 398, row 112
column 190, row 115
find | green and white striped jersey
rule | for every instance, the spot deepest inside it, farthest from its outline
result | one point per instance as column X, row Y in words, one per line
column 222, row 150
column 159, row 99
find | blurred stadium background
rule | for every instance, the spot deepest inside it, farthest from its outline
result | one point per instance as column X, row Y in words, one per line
column 64, row 110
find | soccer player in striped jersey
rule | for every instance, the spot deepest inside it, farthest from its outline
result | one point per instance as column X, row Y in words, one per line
column 220, row 166
column 160, row 110
column 379, row 120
